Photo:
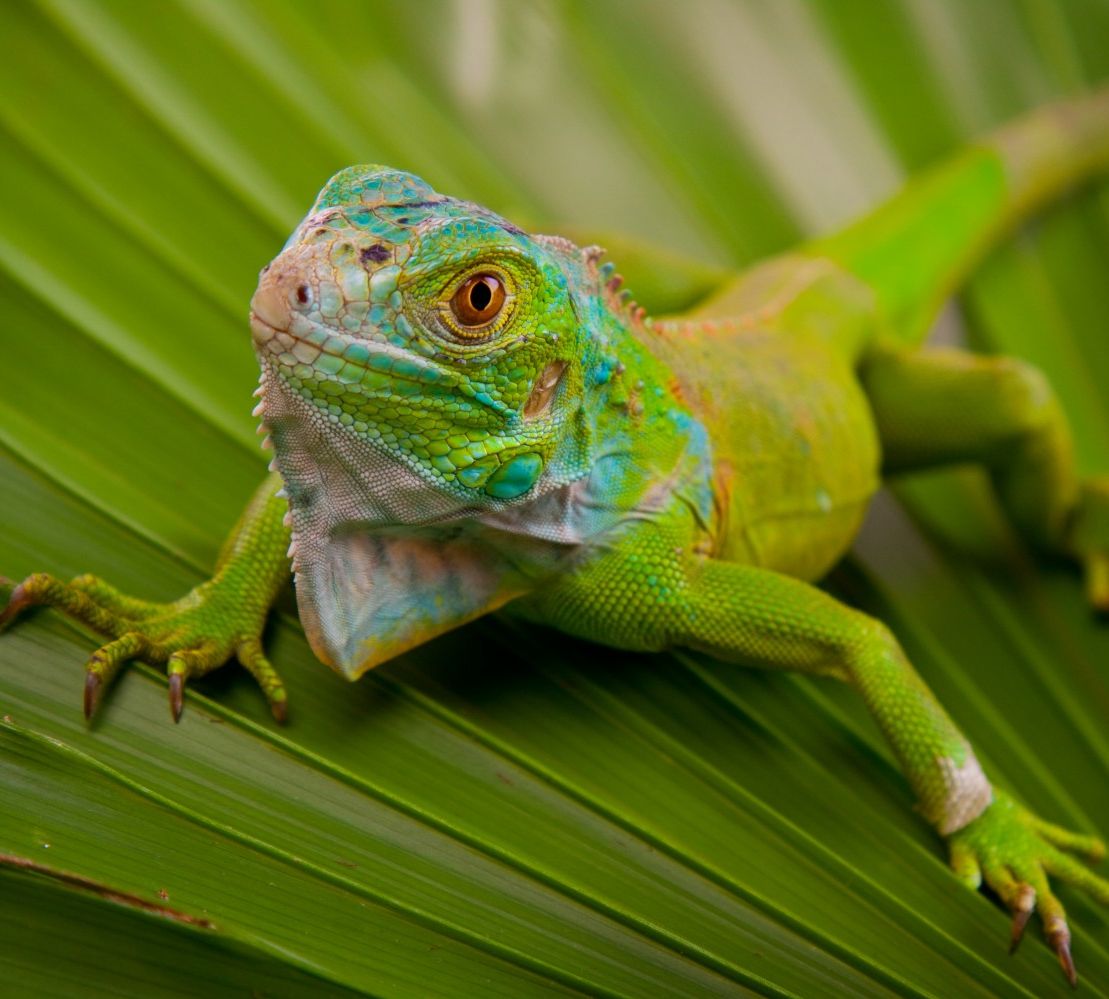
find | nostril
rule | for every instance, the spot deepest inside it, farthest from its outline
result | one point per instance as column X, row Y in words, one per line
column 303, row 294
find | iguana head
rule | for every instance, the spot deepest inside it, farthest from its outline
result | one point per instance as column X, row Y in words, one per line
column 430, row 330
column 425, row 364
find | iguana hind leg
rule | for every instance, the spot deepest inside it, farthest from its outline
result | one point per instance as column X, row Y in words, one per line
column 943, row 406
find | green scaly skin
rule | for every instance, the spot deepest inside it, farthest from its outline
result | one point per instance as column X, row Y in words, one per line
column 645, row 484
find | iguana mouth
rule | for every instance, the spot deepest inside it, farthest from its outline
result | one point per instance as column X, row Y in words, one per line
column 357, row 352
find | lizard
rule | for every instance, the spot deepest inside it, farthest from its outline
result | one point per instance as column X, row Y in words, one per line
column 468, row 418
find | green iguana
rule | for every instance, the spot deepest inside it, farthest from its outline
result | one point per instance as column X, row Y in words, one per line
column 466, row 417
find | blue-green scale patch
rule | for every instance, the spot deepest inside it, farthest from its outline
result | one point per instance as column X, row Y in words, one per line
column 516, row 477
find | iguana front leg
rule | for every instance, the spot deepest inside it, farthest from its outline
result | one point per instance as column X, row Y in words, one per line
column 764, row 619
column 649, row 595
column 220, row 618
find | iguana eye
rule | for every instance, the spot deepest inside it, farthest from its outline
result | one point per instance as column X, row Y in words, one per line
column 478, row 301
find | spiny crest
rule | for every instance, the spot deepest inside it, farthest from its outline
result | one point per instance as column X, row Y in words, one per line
column 618, row 298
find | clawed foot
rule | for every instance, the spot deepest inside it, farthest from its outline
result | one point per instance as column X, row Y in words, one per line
column 1014, row 852
column 192, row 636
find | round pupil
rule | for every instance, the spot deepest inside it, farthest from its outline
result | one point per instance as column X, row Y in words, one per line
column 481, row 295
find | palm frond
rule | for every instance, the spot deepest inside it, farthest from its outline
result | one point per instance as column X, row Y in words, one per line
column 505, row 811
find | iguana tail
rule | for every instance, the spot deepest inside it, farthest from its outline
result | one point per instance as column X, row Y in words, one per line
column 917, row 248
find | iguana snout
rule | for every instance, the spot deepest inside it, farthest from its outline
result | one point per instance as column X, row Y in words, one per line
column 271, row 307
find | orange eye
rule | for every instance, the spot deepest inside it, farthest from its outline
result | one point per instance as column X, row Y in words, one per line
column 478, row 300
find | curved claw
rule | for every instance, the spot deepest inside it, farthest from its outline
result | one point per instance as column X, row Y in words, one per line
column 106, row 662
column 92, row 694
column 176, row 695
column 253, row 659
column 17, row 601
column 42, row 589
column 1058, row 936
column 1021, row 916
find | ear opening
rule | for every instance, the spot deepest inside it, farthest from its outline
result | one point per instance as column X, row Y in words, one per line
column 544, row 389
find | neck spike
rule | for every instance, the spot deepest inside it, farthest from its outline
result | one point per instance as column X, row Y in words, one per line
column 618, row 298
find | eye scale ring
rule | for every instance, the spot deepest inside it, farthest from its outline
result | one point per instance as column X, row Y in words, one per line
column 478, row 301
column 475, row 306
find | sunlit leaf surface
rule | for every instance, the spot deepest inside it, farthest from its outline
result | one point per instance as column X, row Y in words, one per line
column 504, row 812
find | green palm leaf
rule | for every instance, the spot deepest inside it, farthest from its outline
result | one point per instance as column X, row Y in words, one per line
column 504, row 811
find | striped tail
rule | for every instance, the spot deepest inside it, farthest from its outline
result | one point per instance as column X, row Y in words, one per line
column 916, row 249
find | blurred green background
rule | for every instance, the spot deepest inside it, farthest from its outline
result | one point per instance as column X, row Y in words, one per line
column 505, row 812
